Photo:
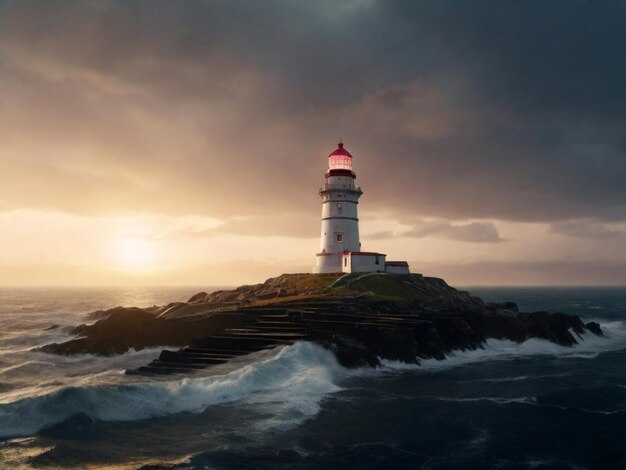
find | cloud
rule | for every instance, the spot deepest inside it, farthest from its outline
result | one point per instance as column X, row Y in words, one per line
column 477, row 232
column 381, row 235
column 588, row 229
column 490, row 110
column 286, row 225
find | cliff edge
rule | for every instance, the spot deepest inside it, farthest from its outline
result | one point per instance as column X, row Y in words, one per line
column 363, row 318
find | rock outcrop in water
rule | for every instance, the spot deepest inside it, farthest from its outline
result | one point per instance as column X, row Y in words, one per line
column 363, row 318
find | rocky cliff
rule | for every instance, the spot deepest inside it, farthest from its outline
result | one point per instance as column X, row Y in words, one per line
column 363, row 318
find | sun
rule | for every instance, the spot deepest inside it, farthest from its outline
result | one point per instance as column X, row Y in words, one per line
column 136, row 254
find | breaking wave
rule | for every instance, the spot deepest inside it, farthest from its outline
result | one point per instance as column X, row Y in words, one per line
column 291, row 384
column 589, row 346
column 297, row 376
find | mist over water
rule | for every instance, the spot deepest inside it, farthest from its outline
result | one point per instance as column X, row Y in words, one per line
column 534, row 405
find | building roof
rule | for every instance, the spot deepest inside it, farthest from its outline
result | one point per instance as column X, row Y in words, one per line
column 363, row 253
column 340, row 151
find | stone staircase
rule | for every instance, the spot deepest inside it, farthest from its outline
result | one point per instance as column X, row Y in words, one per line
column 272, row 327
column 266, row 331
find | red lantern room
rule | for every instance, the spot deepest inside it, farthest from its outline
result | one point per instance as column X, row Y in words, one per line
column 340, row 159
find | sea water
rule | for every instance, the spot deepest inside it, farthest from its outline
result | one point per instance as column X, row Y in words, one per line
column 531, row 405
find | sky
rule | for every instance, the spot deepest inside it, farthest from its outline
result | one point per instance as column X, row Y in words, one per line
column 183, row 142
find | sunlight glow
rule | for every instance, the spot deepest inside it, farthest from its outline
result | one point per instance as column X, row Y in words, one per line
column 136, row 254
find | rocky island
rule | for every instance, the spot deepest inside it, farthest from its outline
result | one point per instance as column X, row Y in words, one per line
column 362, row 318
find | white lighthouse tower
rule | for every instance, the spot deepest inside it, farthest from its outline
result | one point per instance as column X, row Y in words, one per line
column 340, row 223
column 340, row 246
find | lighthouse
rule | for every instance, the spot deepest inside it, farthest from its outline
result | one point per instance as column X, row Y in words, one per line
column 340, row 244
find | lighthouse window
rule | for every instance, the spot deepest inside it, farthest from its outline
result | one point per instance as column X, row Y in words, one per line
column 339, row 237
column 339, row 208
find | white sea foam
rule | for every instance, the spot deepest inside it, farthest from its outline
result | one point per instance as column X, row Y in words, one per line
column 47, row 373
column 519, row 378
column 24, row 367
column 298, row 376
column 588, row 347
column 524, row 400
column 289, row 383
column 498, row 400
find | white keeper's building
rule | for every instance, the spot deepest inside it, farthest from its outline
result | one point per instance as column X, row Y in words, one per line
column 340, row 247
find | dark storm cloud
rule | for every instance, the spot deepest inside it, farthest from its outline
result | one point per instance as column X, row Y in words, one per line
column 475, row 232
column 478, row 232
column 492, row 109
column 284, row 225
column 587, row 229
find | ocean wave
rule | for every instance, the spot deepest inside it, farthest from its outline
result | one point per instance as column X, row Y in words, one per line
column 290, row 383
column 297, row 376
column 46, row 373
column 551, row 463
column 519, row 378
column 588, row 347
column 25, row 367
column 498, row 400
column 527, row 400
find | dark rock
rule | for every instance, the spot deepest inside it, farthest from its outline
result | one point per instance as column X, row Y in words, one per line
column 594, row 327
column 99, row 314
column 133, row 328
column 362, row 318
column 200, row 296
column 503, row 306
column 350, row 352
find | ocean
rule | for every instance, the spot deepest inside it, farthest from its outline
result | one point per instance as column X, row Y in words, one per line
column 509, row 406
